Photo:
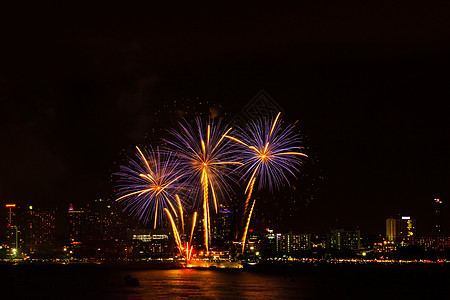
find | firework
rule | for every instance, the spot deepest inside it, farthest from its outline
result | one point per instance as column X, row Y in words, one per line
column 194, row 220
column 175, row 231
column 246, row 226
column 148, row 184
column 269, row 153
column 206, row 160
column 184, row 248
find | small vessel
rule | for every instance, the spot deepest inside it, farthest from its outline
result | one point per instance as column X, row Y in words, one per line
column 131, row 281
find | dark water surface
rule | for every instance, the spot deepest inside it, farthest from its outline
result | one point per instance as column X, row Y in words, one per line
column 79, row 281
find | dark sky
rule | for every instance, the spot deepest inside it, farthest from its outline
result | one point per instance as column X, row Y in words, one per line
column 369, row 85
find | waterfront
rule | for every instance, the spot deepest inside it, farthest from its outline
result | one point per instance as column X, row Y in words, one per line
column 324, row 281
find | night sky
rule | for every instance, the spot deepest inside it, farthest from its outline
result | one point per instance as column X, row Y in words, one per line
column 368, row 84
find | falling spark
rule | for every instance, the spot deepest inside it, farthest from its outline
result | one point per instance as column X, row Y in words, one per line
column 186, row 249
column 247, row 201
column 175, row 231
column 181, row 211
column 194, row 220
column 246, row 227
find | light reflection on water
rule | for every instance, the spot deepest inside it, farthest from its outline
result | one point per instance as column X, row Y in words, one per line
column 217, row 284
column 327, row 281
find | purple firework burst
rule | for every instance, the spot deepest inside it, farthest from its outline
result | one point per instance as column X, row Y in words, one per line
column 268, row 152
column 207, row 159
column 149, row 184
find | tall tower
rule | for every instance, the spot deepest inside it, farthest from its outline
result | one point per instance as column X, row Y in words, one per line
column 77, row 226
column 437, row 205
column 12, row 231
column 39, row 228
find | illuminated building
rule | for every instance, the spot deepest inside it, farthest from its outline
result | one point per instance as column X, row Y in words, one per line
column 437, row 216
column 39, row 228
column 432, row 243
column 400, row 230
column 254, row 241
column 222, row 227
column 12, row 231
column 93, row 223
column 269, row 242
column 384, row 247
column 319, row 241
column 154, row 242
column 103, row 221
column 301, row 242
column 345, row 239
column 98, row 226
column 292, row 243
column 112, row 225
column 77, row 226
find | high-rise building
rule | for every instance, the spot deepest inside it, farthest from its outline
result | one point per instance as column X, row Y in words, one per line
column 269, row 242
column 77, row 226
column 198, row 239
column 103, row 221
column 301, row 242
column 222, row 227
column 39, row 228
column 345, row 239
column 437, row 216
column 400, row 230
column 12, row 231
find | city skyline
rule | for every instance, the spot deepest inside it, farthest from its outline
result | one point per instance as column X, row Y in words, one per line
column 100, row 231
column 98, row 207
column 434, row 227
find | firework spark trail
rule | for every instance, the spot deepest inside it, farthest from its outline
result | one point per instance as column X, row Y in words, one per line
column 185, row 249
column 268, row 153
column 188, row 254
column 246, row 226
column 206, row 161
column 148, row 184
column 194, row 221
column 247, row 201
column 175, row 232
column 205, row 207
column 181, row 211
